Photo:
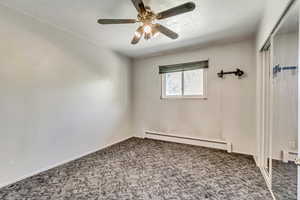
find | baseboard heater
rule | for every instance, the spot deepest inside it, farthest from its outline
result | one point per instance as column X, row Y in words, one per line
column 289, row 156
column 216, row 144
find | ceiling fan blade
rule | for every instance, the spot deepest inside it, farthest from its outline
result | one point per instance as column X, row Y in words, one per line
column 116, row 21
column 167, row 32
column 184, row 8
column 139, row 5
column 138, row 35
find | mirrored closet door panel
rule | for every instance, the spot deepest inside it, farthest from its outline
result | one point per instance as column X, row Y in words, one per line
column 285, row 106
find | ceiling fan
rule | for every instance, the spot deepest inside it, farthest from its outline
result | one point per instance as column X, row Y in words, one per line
column 149, row 28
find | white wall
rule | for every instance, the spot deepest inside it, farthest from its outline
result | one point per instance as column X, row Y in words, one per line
column 60, row 96
column 229, row 112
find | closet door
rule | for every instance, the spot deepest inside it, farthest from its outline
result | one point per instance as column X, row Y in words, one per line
column 285, row 107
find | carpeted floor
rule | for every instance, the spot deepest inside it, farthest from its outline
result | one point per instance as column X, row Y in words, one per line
column 147, row 169
column 284, row 180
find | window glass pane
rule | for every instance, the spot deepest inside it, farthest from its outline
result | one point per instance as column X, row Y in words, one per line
column 174, row 84
column 194, row 82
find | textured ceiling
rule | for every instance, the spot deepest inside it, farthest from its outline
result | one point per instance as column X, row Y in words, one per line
column 213, row 20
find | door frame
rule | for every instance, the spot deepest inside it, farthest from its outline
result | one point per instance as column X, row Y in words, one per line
column 266, row 111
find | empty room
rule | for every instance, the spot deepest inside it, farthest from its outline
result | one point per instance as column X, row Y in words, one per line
column 149, row 100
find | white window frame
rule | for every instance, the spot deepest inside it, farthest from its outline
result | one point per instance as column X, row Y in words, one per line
column 163, row 88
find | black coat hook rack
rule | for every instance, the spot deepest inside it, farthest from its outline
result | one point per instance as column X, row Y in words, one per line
column 238, row 73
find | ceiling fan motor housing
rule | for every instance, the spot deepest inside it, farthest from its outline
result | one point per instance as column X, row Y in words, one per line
column 147, row 18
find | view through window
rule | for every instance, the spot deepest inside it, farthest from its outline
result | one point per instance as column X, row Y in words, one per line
column 184, row 84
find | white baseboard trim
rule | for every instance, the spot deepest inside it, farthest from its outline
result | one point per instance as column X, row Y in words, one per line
column 61, row 163
column 216, row 144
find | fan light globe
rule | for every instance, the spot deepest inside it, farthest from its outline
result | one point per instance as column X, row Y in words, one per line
column 147, row 29
column 137, row 34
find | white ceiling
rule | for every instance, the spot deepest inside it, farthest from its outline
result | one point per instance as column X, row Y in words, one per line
column 213, row 20
column 291, row 22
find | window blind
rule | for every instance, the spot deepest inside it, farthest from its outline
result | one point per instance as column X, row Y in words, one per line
column 183, row 67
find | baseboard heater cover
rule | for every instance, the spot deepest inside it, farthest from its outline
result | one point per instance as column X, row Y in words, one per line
column 289, row 156
column 216, row 144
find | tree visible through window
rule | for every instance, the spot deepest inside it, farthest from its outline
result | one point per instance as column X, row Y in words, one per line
column 184, row 84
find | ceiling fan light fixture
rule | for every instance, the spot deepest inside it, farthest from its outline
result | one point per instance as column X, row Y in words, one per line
column 148, row 36
column 138, row 34
column 154, row 32
column 147, row 29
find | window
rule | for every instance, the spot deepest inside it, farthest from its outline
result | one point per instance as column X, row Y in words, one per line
column 173, row 84
column 184, row 81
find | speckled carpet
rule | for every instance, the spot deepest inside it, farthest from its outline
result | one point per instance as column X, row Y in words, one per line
column 147, row 169
column 284, row 180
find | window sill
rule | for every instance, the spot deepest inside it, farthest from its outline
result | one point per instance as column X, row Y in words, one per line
column 185, row 98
